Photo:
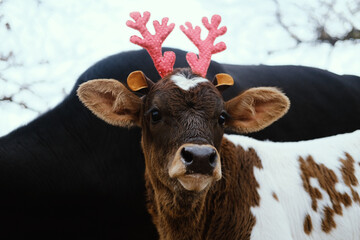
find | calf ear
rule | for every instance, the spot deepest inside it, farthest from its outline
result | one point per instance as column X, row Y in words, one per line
column 255, row 109
column 222, row 81
column 111, row 101
column 138, row 82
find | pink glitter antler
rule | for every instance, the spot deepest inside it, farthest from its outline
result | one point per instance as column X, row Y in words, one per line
column 152, row 43
column 206, row 47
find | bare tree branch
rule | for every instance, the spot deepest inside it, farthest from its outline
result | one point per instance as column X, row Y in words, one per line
column 21, row 86
column 6, row 58
column 2, row 78
column 283, row 25
column 20, row 103
column 319, row 23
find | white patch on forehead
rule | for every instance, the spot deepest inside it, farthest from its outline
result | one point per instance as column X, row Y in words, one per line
column 184, row 83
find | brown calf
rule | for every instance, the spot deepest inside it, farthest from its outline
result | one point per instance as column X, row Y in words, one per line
column 194, row 181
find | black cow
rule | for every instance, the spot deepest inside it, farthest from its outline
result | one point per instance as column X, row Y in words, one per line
column 68, row 174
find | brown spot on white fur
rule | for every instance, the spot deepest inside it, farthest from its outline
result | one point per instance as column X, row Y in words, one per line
column 327, row 223
column 327, row 180
column 348, row 171
column 348, row 175
column 275, row 196
column 308, row 224
column 307, row 172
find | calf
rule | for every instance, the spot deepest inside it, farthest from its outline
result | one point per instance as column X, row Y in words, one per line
column 203, row 185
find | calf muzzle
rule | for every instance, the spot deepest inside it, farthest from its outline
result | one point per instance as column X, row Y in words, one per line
column 196, row 166
column 199, row 159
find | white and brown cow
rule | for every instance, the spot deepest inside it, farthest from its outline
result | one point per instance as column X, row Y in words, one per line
column 202, row 184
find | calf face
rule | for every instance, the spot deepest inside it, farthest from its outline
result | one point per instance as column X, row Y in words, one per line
column 183, row 117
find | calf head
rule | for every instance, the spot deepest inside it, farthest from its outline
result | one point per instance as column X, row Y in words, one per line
column 183, row 117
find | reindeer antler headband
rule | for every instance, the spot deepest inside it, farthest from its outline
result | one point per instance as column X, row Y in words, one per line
column 152, row 43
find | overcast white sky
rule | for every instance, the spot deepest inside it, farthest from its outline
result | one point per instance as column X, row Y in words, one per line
column 52, row 42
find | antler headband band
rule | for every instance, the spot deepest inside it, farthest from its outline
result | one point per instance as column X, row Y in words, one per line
column 152, row 43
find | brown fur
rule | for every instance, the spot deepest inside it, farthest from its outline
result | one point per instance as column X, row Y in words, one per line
column 327, row 181
column 221, row 212
column 275, row 196
column 327, row 223
column 348, row 171
column 260, row 108
column 308, row 224
column 111, row 101
column 348, row 175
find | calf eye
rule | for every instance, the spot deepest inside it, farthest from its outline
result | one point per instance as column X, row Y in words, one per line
column 222, row 119
column 155, row 116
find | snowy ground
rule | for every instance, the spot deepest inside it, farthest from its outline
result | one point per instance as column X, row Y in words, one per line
column 46, row 44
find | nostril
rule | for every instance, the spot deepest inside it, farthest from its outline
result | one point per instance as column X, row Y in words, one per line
column 200, row 159
column 212, row 159
column 187, row 156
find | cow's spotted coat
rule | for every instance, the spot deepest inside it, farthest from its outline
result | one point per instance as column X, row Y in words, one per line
column 307, row 190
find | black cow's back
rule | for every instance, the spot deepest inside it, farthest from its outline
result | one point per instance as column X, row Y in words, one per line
column 322, row 103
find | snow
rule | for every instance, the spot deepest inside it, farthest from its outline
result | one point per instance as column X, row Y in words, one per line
column 52, row 42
